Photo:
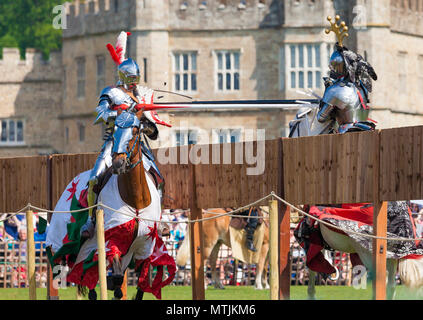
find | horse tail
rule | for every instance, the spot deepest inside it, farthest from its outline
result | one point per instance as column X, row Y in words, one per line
column 411, row 272
column 183, row 253
column 82, row 290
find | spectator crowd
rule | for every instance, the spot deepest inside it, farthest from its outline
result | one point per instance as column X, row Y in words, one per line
column 13, row 237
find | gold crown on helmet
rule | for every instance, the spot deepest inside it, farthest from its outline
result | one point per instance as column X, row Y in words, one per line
column 340, row 30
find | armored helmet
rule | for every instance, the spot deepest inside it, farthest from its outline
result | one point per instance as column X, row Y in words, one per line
column 344, row 62
column 129, row 73
column 128, row 70
column 337, row 64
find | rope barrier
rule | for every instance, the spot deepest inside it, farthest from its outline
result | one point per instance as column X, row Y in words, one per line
column 341, row 229
column 217, row 215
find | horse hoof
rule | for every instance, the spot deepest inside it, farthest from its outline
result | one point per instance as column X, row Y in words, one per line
column 140, row 295
column 118, row 293
column 117, row 280
column 92, row 295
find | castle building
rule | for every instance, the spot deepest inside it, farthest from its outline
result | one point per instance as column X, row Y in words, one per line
column 31, row 103
column 219, row 50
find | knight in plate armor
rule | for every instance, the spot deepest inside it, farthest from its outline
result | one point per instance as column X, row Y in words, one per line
column 348, row 86
column 128, row 96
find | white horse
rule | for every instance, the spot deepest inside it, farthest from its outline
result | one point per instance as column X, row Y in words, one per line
column 410, row 270
column 128, row 194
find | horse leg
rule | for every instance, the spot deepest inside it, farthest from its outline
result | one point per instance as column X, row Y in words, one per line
column 391, row 268
column 92, row 294
column 140, row 294
column 311, row 289
column 265, row 278
column 261, row 276
column 117, row 277
column 212, row 260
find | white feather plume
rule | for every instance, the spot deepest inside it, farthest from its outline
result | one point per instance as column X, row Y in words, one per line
column 121, row 46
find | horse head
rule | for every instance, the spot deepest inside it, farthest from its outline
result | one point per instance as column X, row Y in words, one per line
column 126, row 142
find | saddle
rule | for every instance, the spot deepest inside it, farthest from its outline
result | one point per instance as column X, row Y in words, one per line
column 240, row 223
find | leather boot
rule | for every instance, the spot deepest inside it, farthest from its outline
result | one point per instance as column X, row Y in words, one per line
column 250, row 239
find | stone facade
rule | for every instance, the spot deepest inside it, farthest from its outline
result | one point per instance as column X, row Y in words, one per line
column 263, row 34
column 30, row 94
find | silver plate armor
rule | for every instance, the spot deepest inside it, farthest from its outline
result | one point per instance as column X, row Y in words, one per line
column 343, row 100
column 109, row 97
column 104, row 160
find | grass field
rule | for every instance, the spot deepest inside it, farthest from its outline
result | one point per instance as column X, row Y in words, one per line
column 230, row 293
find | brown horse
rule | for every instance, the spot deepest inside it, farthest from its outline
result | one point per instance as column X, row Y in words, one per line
column 137, row 191
column 216, row 233
column 133, row 190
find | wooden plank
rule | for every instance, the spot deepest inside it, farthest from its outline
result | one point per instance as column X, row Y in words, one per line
column 331, row 170
column 360, row 169
column 353, row 169
column 409, row 190
column 304, row 162
column 416, row 157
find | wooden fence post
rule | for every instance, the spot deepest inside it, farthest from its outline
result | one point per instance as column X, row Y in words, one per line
column 196, row 240
column 52, row 291
column 101, row 249
column 380, row 216
column 379, row 250
column 30, row 255
column 125, row 286
column 273, row 250
column 284, row 233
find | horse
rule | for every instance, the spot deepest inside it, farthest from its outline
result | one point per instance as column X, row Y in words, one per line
column 216, row 233
column 410, row 270
column 131, row 190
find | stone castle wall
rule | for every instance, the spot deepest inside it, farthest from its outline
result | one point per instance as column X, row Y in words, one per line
column 259, row 29
column 31, row 90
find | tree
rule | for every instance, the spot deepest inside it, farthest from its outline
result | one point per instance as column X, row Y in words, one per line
column 29, row 24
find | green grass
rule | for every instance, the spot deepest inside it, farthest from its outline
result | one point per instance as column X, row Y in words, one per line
column 230, row 293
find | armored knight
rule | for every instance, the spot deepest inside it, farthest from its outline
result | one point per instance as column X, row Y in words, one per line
column 346, row 96
column 128, row 96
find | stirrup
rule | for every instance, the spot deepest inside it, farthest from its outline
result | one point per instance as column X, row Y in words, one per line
column 250, row 246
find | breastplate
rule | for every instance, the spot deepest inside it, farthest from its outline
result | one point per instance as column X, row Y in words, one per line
column 344, row 97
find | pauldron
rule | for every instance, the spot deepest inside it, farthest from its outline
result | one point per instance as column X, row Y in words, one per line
column 343, row 101
column 112, row 98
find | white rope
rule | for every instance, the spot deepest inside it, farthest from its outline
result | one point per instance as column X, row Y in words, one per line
column 11, row 215
column 341, row 229
column 217, row 215
column 189, row 221
column 69, row 211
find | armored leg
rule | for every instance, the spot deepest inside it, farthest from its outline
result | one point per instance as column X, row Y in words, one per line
column 103, row 161
column 251, row 228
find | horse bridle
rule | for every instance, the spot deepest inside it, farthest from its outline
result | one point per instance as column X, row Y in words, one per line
column 130, row 165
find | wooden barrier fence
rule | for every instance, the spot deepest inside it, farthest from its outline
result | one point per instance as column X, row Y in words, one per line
column 377, row 166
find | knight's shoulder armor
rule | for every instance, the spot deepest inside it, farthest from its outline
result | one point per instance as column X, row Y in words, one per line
column 116, row 96
column 110, row 98
column 342, row 94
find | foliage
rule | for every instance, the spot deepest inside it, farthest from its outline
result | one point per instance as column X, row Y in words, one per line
column 29, row 24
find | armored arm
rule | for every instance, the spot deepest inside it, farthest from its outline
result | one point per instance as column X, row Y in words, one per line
column 104, row 111
column 325, row 112
column 149, row 128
